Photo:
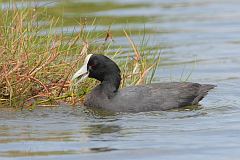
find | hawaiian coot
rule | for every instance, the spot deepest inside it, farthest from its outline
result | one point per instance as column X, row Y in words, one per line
column 140, row 98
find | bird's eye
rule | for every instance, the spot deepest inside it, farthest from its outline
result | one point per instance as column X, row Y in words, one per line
column 92, row 66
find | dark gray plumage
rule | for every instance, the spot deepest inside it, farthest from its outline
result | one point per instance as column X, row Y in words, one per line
column 152, row 97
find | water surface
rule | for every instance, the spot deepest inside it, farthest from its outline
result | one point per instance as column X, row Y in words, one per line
column 200, row 37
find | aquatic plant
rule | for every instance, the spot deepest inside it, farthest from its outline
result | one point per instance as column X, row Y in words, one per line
column 37, row 61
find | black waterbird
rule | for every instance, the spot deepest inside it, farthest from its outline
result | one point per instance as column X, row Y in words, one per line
column 140, row 98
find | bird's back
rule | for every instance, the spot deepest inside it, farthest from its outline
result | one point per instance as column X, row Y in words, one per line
column 154, row 97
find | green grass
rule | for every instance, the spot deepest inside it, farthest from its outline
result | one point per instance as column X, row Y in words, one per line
column 36, row 66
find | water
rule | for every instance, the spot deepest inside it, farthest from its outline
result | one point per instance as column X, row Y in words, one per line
column 198, row 37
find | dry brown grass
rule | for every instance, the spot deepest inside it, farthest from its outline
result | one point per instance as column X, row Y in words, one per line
column 35, row 67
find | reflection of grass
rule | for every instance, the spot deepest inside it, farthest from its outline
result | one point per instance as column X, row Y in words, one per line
column 35, row 69
column 108, row 20
column 70, row 11
column 91, row 7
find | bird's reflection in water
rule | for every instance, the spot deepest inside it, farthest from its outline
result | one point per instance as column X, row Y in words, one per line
column 98, row 113
column 100, row 129
column 103, row 122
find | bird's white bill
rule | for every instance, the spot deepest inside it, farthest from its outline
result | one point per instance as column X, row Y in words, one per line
column 82, row 73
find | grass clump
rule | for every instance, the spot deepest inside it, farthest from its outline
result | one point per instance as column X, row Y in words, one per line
column 37, row 62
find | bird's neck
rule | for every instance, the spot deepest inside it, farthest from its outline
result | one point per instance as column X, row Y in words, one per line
column 110, row 84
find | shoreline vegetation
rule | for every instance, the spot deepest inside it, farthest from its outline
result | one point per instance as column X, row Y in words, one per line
column 37, row 61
